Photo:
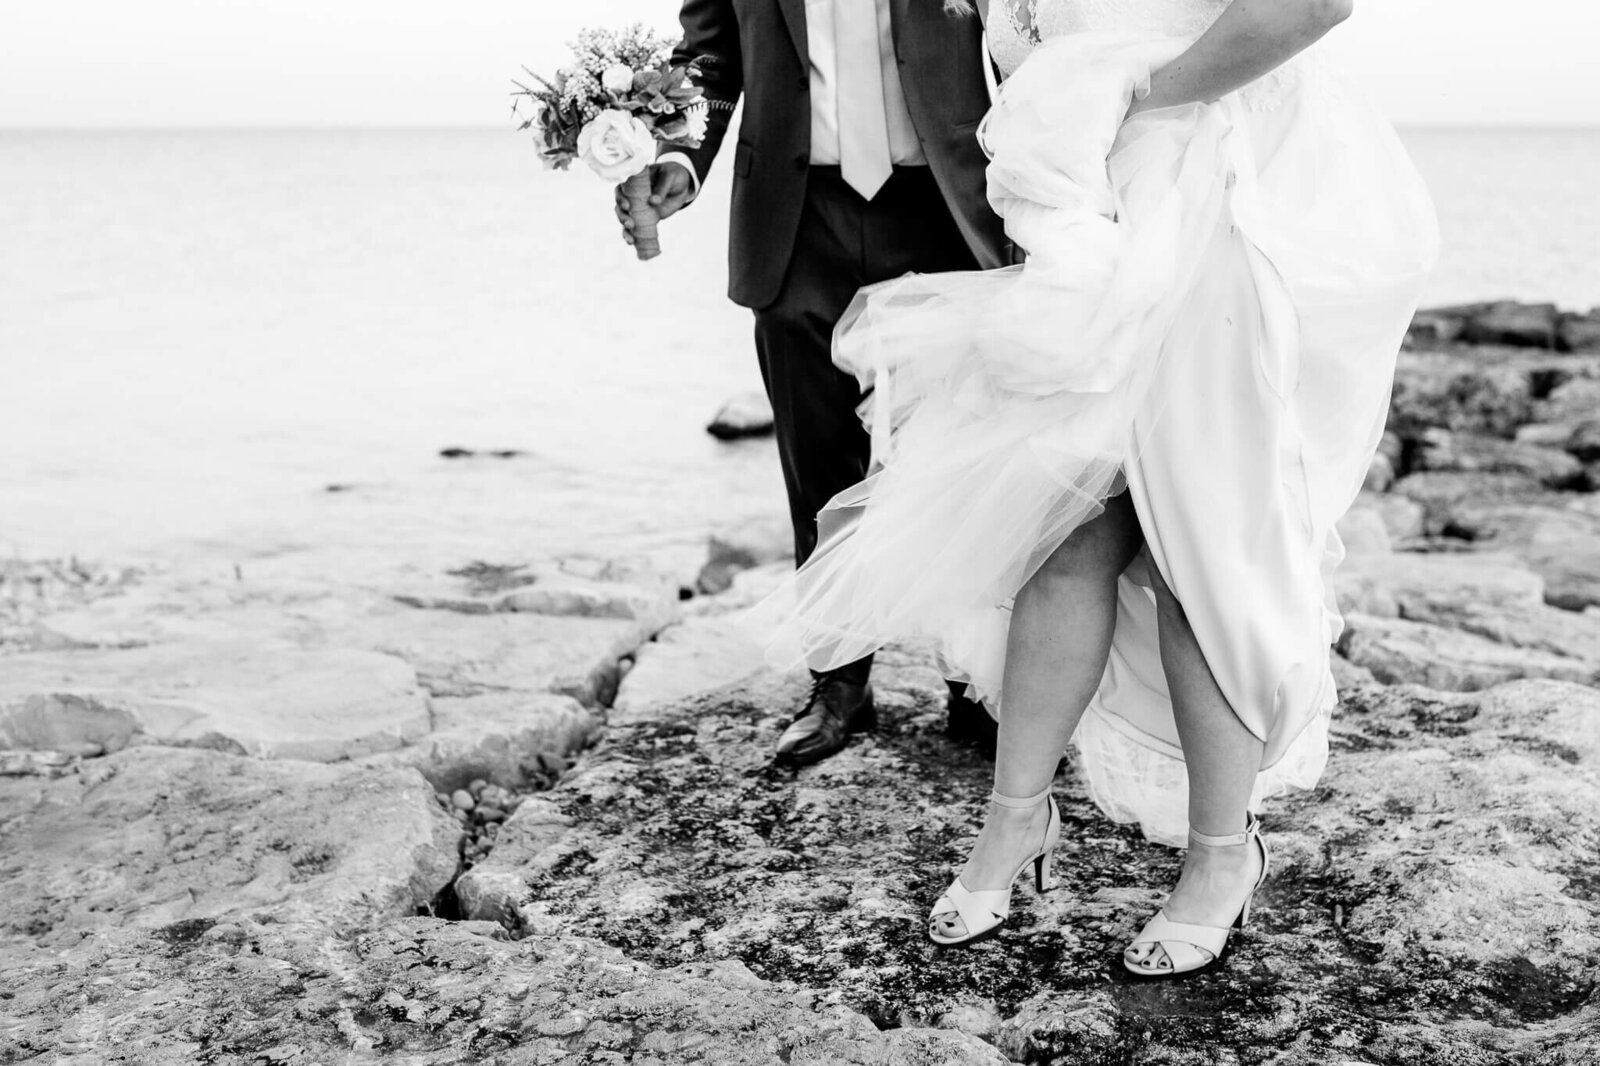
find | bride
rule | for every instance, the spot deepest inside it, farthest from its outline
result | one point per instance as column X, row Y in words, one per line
column 1106, row 481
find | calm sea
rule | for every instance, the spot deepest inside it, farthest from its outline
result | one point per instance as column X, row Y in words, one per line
column 201, row 333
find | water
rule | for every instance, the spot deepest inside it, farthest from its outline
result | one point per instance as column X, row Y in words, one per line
column 1519, row 212
column 201, row 332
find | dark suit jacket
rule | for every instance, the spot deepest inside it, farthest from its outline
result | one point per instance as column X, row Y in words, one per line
column 757, row 48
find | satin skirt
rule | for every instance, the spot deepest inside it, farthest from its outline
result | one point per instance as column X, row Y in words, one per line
column 1208, row 319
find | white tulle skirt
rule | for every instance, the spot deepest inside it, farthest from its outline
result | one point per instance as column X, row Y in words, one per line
column 1208, row 318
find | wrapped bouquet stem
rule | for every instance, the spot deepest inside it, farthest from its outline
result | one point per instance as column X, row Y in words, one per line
column 645, row 240
column 613, row 107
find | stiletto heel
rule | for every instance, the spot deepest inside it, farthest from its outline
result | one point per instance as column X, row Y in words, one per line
column 984, row 912
column 1193, row 949
column 1043, row 879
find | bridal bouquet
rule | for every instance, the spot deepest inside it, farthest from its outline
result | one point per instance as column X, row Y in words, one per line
column 610, row 108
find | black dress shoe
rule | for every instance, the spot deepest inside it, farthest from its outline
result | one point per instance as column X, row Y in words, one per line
column 834, row 709
column 968, row 722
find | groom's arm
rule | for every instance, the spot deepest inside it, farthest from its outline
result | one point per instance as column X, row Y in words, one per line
column 711, row 41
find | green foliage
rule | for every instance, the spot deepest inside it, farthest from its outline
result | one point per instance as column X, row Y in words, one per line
column 662, row 95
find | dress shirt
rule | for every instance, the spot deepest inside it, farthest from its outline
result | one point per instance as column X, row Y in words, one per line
column 904, row 148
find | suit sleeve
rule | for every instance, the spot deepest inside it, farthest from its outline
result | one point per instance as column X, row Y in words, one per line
column 711, row 40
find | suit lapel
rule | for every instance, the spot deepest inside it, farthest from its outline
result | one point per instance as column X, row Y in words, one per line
column 898, row 14
column 794, row 13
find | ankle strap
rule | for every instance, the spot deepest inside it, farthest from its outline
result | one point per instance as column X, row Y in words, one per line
column 1252, row 828
column 1021, row 804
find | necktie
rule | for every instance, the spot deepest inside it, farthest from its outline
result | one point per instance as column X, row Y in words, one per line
column 864, row 158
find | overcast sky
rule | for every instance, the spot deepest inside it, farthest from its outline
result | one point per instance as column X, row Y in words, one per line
column 432, row 63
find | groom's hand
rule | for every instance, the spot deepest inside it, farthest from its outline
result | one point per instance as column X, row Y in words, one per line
column 671, row 188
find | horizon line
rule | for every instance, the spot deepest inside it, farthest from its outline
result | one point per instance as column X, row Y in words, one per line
column 483, row 127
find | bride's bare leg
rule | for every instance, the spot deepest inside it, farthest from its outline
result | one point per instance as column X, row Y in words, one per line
column 1223, row 758
column 1061, row 626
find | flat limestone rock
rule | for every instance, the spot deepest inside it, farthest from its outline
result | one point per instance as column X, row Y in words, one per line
column 1557, row 718
column 1402, row 517
column 152, row 837
column 1458, row 820
column 1484, row 389
column 1446, row 494
column 644, row 598
column 424, row 992
column 1461, row 389
column 679, row 898
column 1473, row 452
column 1364, row 532
column 498, row 737
column 697, row 656
column 1572, row 401
column 1581, row 333
column 276, row 701
column 460, row 655
column 1455, row 590
column 454, row 652
column 169, row 608
column 1380, row 474
column 67, row 724
column 716, row 645
column 1558, row 538
column 676, row 838
column 1519, row 625
column 1404, row 652
column 1446, row 580
column 651, row 605
column 734, row 550
column 1513, row 323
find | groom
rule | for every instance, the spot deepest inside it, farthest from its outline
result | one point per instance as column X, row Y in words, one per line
column 856, row 162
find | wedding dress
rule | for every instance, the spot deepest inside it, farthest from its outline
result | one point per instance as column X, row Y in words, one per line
column 1208, row 319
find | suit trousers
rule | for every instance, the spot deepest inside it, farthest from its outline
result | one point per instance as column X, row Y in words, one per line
column 843, row 243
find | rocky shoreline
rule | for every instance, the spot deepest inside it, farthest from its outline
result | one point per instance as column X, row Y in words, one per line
column 517, row 813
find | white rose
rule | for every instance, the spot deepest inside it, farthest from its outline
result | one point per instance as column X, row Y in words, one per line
column 618, row 79
column 616, row 145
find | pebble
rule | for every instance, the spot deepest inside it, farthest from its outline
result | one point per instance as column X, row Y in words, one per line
column 491, row 814
column 1380, row 475
column 225, row 934
column 477, row 786
column 462, row 800
column 495, row 796
column 567, row 1025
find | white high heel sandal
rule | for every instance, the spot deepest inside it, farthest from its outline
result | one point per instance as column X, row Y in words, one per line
column 1191, row 949
column 984, row 912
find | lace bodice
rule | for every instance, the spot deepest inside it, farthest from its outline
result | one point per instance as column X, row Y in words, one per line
column 1016, row 26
